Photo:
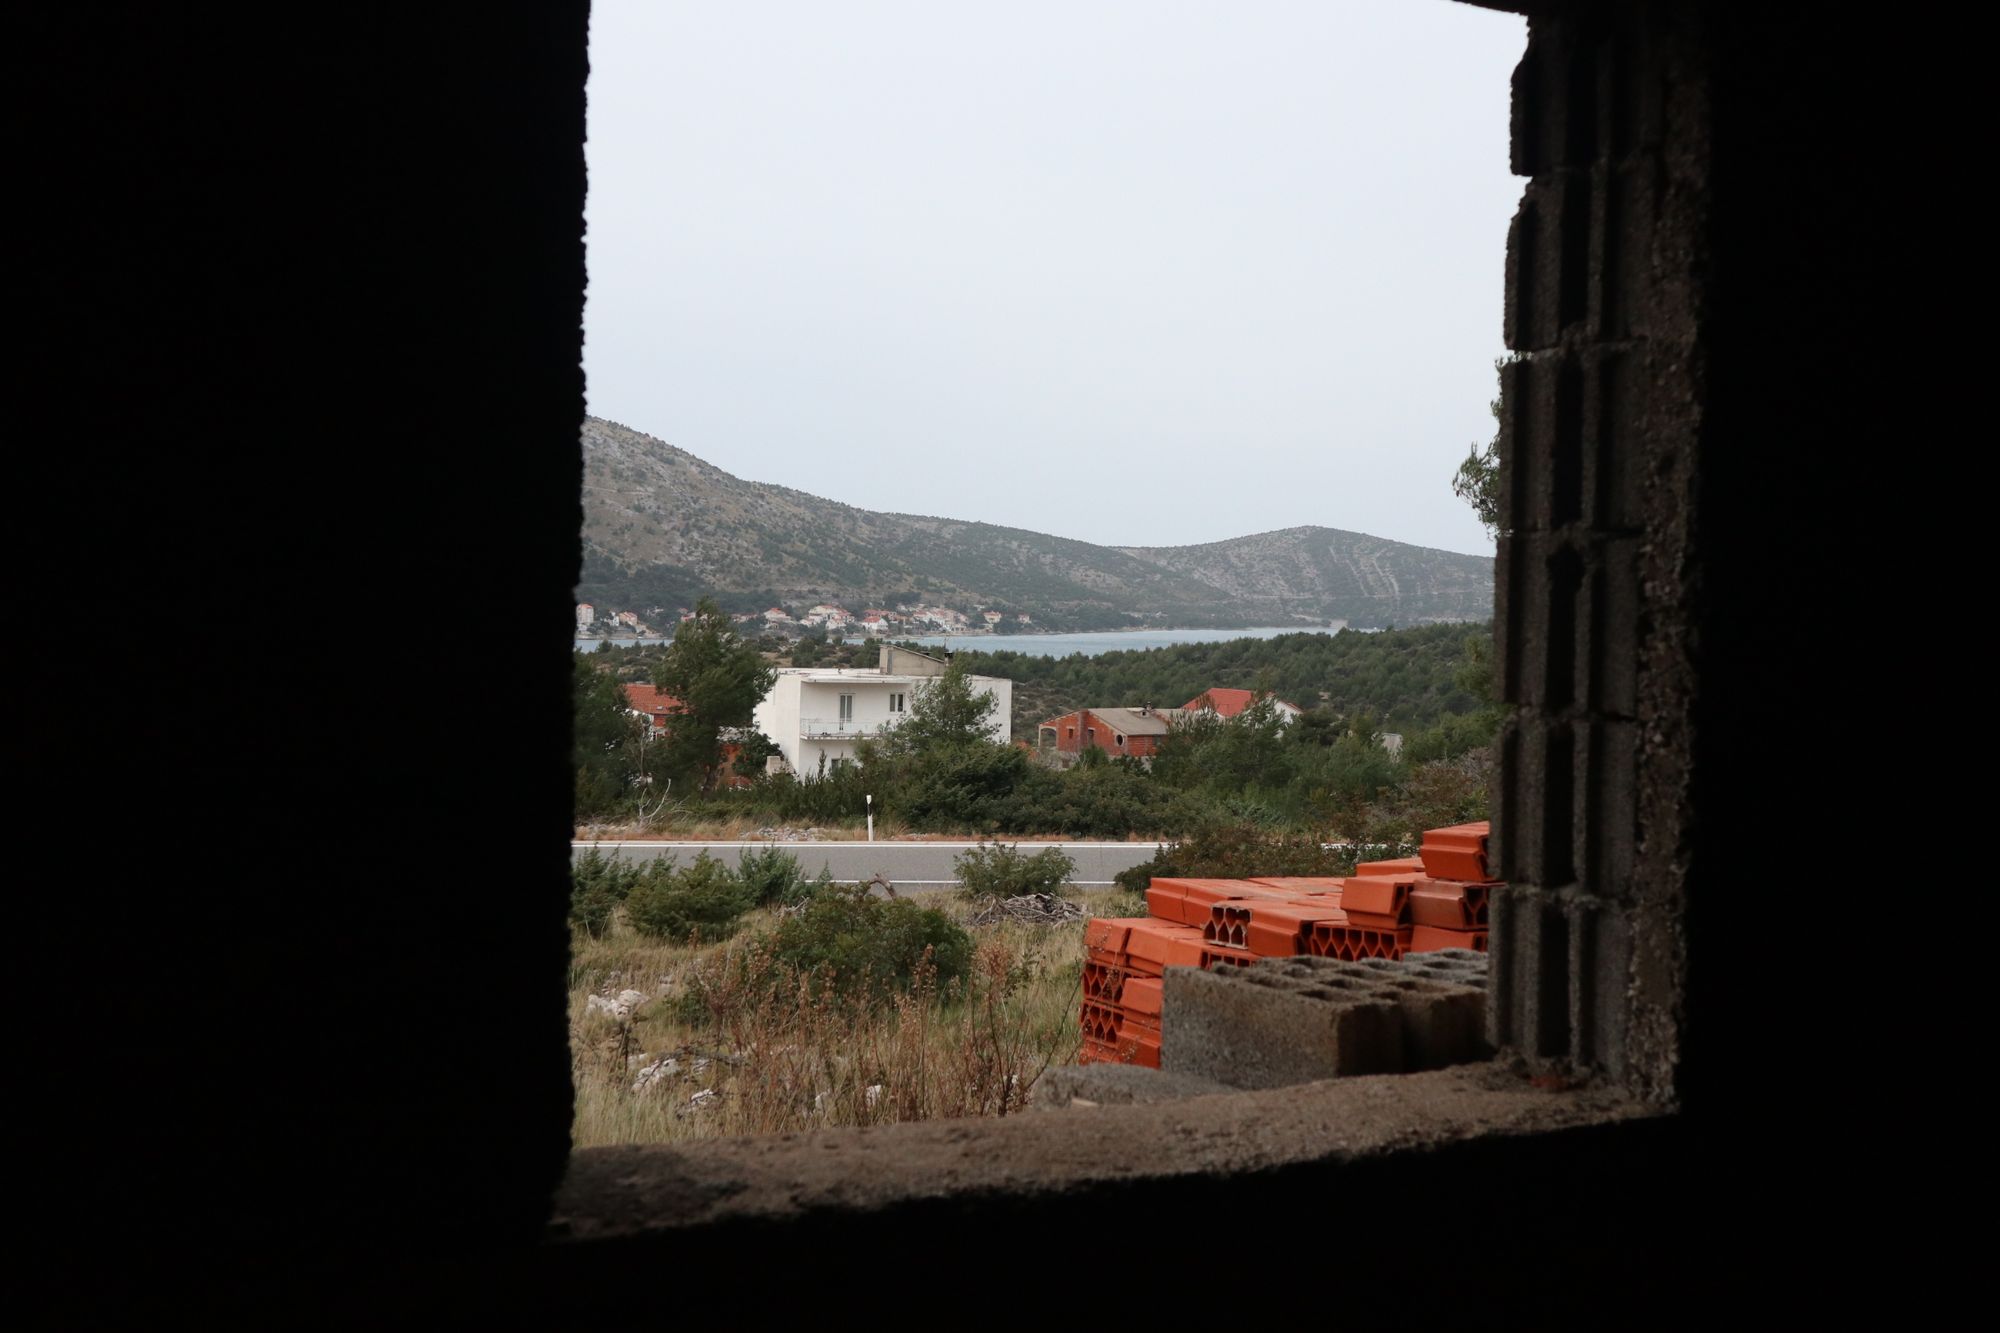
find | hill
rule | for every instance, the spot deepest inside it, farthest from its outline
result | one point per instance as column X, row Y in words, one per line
column 661, row 528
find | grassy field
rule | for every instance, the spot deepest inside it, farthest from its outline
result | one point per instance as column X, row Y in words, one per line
column 759, row 1055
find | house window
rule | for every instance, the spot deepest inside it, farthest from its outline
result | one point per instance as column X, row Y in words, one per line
column 1090, row 734
column 1121, row 741
column 897, row 703
column 846, row 709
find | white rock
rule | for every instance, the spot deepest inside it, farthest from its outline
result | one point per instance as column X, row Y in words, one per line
column 657, row 1072
column 873, row 1095
column 619, row 1009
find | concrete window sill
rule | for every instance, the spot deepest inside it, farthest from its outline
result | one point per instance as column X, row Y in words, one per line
column 628, row 1193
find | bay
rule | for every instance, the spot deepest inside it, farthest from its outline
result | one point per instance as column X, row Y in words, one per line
column 1090, row 643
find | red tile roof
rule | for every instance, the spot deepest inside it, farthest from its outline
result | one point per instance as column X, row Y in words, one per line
column 649, row 699
column 1226, row 703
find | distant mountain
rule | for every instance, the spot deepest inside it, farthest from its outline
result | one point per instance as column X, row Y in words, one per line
column 662, row 528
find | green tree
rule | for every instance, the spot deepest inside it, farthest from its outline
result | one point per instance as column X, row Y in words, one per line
column 1477, row 481
column 945, row 712
column 607, row 738
column 703, row 900
column 719, row 680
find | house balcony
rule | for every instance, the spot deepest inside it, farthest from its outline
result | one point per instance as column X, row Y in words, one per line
column 836, row 729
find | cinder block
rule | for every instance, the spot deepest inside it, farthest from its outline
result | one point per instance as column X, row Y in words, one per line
column 1448, row 904
column 1257, row 1027
column 1311, row 885
column 1458, row 852
column 1103, row 983
column 1402, row 865
column 1142, row 998
column 1186, row 901
column 1426, row 939
column 1139, row 1046
column 1444, row 1019
column 1462, row 965
column 1140, row 944
column 1166, row 902
column 1350, row 942
column 1378, row 896
column 1103, row 1084
column 1268, row 929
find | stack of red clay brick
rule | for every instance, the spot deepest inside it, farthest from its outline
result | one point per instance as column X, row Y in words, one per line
column 1385, row 909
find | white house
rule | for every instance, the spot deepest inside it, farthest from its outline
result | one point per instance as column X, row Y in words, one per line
column 815, row 713
column 586, row 616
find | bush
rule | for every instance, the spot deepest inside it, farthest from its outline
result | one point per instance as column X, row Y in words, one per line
column 867, row 948
column 804, row 890
column 1104, row 800
column 703, row 901
column 597, row 885
column 1000, row 871
column 769, row 875
column 959, row 787
column 1239, row 851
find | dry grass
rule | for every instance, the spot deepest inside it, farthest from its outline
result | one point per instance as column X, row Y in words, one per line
column 767, row 1057
column 717, row 828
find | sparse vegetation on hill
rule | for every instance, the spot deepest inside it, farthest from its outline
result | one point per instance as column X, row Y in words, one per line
column 662, row 528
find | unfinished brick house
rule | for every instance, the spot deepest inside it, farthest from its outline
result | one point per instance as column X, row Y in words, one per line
column 1116, row 731
column 356, row 247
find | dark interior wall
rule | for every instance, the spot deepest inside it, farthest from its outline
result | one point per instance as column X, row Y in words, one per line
column 297, row 325
column 1687, row 437
column 1822, row 553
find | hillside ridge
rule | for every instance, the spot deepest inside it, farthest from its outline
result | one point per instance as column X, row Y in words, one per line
column 663, row 527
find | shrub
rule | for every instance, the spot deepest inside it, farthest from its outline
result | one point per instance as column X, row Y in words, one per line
column 1000, row 871
column 958, row 787
column 1122, row 903
column 1239, row 851
column 704, row 901
column 597, row 884
column 804, row 890
column 1104, row 800
column 868, row 948
column 769, row 875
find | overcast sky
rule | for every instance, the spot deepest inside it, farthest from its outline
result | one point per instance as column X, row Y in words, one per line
column 1138, row 273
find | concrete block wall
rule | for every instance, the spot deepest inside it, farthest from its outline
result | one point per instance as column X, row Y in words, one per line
column 1599, row 432
column 1283, row 1021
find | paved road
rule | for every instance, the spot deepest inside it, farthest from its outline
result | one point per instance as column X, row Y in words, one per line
column 908, row 865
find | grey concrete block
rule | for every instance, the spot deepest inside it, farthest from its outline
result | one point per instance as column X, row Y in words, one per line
column 1116, row 1085
column 1270, row 1027
column 1443, row 1008
column 1465, row 966
column 1292, row 1020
